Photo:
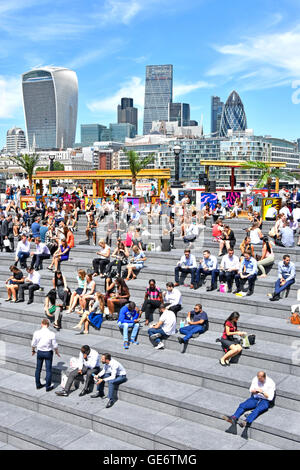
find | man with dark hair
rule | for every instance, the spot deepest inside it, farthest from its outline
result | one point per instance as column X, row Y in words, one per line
column 186, row 265
column 32, row 283
column 286, row 277
column 197, row 323
column 165, row 327
column 112, row 373
column 129, row 318
column 41, row 252
column 152, row 300
column 208, row 267
column 247, row 272
column 88, row 364
column 262, row 391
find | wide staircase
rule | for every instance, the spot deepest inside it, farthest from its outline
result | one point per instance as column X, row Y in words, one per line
column 170, row 397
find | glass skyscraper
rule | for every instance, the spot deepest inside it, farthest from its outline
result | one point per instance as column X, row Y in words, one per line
column 50, row 99
column 216, row 115
column 234, row 116
column 127, row 113
column 91, row 133
column 158, row 94
column 120, row 131
column 179, row 112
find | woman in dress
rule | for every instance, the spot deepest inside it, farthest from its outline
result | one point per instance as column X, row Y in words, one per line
column 230, row 344
column 12, row 283
column 88, row 292
column 136, row 264
column 81, row 274
column 94, row 316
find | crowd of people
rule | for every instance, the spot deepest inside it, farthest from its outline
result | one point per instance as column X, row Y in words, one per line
column 51, row 227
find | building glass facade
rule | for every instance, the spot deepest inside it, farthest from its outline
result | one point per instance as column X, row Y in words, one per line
column 91, row 133
column 233, row 116
column 179, row 112
column 158, row 94
column 216, row 115
column 119, row 132
column 127, row 113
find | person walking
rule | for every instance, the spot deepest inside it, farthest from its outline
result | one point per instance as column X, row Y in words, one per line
column 43, row 344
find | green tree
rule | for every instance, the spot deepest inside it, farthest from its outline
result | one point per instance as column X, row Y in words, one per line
column 28, row 163
column 136, row 164
column 268, row 174
column 57, row 166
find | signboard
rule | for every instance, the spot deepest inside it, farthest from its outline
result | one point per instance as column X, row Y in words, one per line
column 187, row 192
column 25, row 200
column 232, row 196
column 212, row 198
column 268, row 202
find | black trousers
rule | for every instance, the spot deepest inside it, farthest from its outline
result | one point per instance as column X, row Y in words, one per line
column 37, row 260
column 175, row 308
column 148, row 307
column 31, row 288
column 228, row 277
column 100, row 264
column 85, row 371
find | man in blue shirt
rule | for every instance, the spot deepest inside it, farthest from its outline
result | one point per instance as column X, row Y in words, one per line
column 286, row 236
column 35, row 228
column 247, row 272
column 286, row 277
column 129, row 318
column 43, row 231
column 197, row 323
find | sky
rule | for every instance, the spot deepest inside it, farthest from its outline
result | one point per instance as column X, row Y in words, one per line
column 214, row 46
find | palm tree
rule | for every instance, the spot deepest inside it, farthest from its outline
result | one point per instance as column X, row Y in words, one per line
column 136, row 164
column 28, row 163
column 268, row 174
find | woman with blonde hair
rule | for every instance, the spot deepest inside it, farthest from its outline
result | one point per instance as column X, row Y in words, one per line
column 94, row 316
column 78, row 292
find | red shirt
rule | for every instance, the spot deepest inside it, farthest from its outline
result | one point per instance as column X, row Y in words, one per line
column 232, row 329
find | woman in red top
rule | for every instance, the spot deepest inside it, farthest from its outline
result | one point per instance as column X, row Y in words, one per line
column 217, row 230
column 229, row 342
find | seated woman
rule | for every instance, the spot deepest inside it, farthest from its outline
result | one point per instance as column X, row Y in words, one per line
column 136, row 263
column 207, row 212
column 120, row 257
column 81, row 274
column 12, row 283
column 99, row 264
column 236, row 208
column 69, row 236
column 60, row 289
column 137, row 239
column 94, row 316
column 246, row 245
column 61, row 254
column 267, row 256
column 227, row 241
column 91, row 228
column 88, row 292
column 117, row 294
column 255, row 234
column 217, row 230
column 230, row 344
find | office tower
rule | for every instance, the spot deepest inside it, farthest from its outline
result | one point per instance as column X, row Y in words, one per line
column 158, row 94
column 91, row 133
column 179, row 112
column 216, row 114
column 127, row 113
column 15, row 140
column 50, row 99
column 234, row 116
column 120, row 131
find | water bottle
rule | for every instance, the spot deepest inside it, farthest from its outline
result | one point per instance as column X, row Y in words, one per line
column 182, row 324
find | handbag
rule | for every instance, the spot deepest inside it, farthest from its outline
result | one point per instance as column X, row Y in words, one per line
column 251, row 339
column 295, row 318
column 272, row 232
column 245, row 342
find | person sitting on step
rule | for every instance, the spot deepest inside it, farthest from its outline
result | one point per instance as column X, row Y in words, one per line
column 286, row 277
column 164, row 328
column 247, row 272
column 208, row 267
column 186, row 265
column 197, row 323
column 129, row 318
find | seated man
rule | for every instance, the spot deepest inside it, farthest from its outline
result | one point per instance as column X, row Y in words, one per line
column 88, row 364
column 262, row 391
column 152, row 300
column 229, row 268
column 165, row 327
column 247, row 272
column 286, row 277
column 22, row 252
column 271, row 213
column 208, row 267
column 42, row 252
column 197, row 323
column 286, row 236
column 191, row 232
column 32, row 283
column 187, row 265
column 112, row 373
column 172, row 298
column 129, row 318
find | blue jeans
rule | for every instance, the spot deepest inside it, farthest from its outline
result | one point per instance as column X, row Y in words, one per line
column 22, row 257
column 153, row 331
column 258, row 405
column 214, row 275
column 190, row 330
column 279, row 289
column 42, row 356
column 113, row 386
column 126, row 326
column 191, row 271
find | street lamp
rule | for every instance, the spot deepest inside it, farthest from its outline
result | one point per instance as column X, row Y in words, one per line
column 177, row 151
column 51, row 168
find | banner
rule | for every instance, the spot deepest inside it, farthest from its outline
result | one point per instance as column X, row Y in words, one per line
column 268, row 202
column 212, row 198
column 232, row 196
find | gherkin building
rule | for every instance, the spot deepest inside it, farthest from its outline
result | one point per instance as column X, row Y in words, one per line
column 233, row 116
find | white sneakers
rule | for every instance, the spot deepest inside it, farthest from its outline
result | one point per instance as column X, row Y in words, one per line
column 160, row 346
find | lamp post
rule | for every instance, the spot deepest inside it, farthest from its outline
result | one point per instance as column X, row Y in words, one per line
column 51, row 168
column 177, row 151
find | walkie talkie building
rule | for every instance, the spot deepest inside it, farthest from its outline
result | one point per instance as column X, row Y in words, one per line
column 233, row 116
column 50, row 99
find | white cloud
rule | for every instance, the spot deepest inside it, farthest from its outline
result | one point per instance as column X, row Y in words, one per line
column 268, row 60
column 92, row 55
column 10, row 97
column 184, row 89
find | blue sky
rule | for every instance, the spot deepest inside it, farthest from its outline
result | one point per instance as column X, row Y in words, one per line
column 215, row 47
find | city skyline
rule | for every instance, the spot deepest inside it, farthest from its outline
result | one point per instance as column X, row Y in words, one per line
column 261, row 64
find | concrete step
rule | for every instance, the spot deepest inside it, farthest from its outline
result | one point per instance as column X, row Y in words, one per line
column 142, row 427
column 24, row 427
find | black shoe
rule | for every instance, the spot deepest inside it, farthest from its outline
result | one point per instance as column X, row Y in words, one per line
column 180, row 340
column 208, row 289
column 229, row 290
column 19, row 301
column 275, row 298
column 30, row 302
column 184, row 347
column 38, row 387
column 62, row 393
column 110, row 403
column 249, row 292
column 84, row 392
column 98, row 395
column 49, row 389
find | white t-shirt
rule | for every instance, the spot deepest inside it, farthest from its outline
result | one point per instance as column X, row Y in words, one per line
column 271, row 213
column 169, row 322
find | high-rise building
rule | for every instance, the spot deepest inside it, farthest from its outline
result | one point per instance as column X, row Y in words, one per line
column 50, row 99
column 91, row 133
column 158, row 94
column 15, row 140
column 127, row 113
column 119, row 132
column 216, row 115
column 179, row 112
column 233, row 116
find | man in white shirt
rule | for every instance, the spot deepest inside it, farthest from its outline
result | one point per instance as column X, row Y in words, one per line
column 22, row 252
column 32, row 283
column 208, row 267
column 186, row 265
column 296, row 213
column 41, row 252
column 262, row 391
column 88, row 364
column 229, row 267
column 165, row 327
column 172, row 298
column 44, row 342
column 285, row 211
column 112, row 373
column 271, row 213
